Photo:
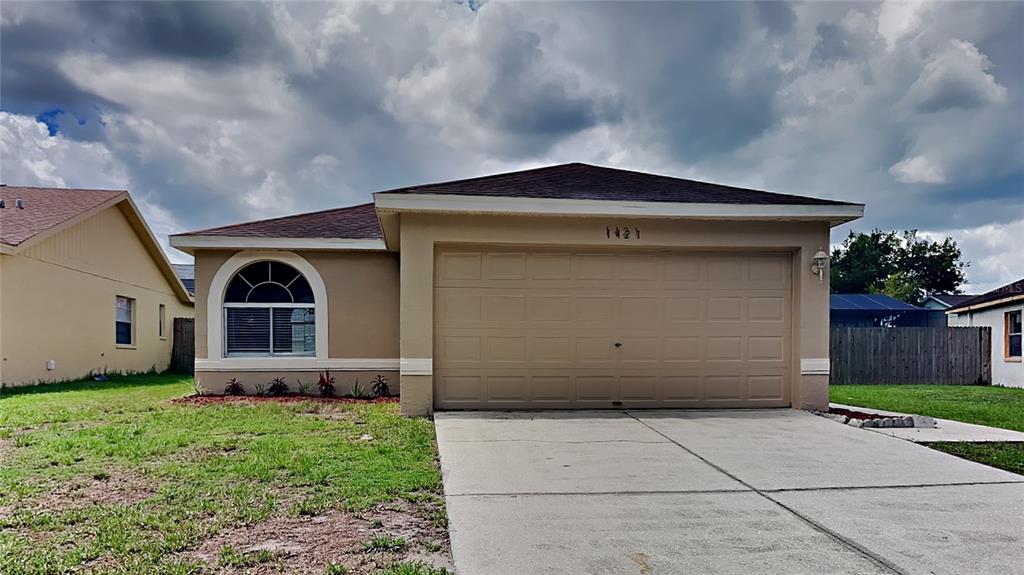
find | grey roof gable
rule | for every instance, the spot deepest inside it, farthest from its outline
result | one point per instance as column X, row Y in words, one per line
column 579, row 181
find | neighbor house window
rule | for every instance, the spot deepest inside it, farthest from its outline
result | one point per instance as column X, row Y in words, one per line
column 1013, row 335
column 163, row 319
column 268, row 310
column 124, row 317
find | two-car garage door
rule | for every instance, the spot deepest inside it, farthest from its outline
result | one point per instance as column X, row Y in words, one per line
column 534, row 328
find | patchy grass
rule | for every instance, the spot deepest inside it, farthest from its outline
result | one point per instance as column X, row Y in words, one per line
column 113, row 477
column 993, row 406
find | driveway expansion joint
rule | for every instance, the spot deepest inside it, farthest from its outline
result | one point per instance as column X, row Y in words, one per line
column 845, row 541
column 591, row 493
column 900, row 486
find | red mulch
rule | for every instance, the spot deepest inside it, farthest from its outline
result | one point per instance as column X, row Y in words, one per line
column 855, row 414
column 215, row 399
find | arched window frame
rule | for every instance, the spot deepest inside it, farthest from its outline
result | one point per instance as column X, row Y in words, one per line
column 215, row 314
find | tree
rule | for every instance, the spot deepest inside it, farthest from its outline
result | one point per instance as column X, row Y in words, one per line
column 904, row 266
column 901, row 286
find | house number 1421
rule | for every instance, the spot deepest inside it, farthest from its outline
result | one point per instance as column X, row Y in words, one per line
column 625, row 233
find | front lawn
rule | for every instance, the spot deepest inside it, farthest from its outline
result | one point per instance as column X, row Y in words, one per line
column 993, row 406
column 115, row 478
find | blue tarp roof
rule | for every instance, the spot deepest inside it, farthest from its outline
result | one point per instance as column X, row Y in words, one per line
column 872, row 302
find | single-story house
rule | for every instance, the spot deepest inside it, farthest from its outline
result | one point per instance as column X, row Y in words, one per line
column 570, row 286
column 84, row 287
column 1000, row 309
column 875, row 310
column 939, row 303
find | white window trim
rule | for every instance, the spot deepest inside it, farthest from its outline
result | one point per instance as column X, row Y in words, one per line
column 161, row 319
column 215, row 303
column 133, row 304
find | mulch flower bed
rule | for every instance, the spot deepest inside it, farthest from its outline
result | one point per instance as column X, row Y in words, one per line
column 216, row 399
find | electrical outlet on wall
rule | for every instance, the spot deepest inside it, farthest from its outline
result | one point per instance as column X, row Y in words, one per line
column 51, row 365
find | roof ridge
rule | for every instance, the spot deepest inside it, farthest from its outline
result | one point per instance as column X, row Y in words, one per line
column 487, row 177
column 279, row 218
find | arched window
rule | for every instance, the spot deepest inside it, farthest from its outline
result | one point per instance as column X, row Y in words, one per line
column 269, row 310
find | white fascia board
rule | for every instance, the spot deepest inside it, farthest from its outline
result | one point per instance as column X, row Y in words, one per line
column 563, row 207
column 241, row 242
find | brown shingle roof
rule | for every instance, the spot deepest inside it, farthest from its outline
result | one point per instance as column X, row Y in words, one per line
column 1014, row 290
column 44, row 209
column 355, row 222
column 578, row 181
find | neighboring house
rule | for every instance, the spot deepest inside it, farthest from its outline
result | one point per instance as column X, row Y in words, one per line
column 187, row 274
column 874, row 310
column 938, row 304
column 569, row 287
column 1000, row 309
column 84, row 287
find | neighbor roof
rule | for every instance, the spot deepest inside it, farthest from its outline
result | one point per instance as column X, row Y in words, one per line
column 45, row 209
column 577, row 181
column 355, row 222
column 1010, row 292
column 868, row 303
column 187, row 274
column 952, row 300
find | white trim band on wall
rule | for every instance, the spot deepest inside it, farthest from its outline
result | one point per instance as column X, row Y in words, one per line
column 417, row 366
column 296, row 364
column 815, row 366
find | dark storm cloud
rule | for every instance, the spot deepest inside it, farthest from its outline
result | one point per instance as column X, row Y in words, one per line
column 215, row 32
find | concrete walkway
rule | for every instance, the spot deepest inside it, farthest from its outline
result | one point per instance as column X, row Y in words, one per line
column 718, row 492
column 944, row 430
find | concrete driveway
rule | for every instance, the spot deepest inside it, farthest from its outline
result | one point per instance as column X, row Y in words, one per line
column 745, row 492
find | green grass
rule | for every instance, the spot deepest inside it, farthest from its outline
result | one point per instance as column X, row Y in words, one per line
column 1008, row 456
column 180, row 473
column 993, row 406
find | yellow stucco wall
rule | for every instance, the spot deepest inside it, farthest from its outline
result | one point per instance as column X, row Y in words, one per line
column 57, row 303
column 420, row 233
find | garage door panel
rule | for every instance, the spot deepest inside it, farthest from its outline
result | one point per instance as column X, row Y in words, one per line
column 532, row 328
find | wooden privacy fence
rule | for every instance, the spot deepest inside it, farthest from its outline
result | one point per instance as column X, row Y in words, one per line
column 183, row 347
column 908, row 355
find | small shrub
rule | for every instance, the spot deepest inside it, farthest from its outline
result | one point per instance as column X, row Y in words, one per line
column 357, row 391
column 326, row 384
column 304, row 388
column 336, row 569
column 379, row 385
column 260, row 389
column 381, row 543
column 234, row 387
column 198, row 389
column 277, row 387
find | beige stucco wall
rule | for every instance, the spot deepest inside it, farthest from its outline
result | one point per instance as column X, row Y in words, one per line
column 420, row 233
column 57, row 303
column 363, row 293
column 1005, row 372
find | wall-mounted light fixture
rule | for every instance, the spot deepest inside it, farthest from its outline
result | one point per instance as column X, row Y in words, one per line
column 819, row 265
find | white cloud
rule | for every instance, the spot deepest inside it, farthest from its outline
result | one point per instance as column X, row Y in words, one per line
column 31, row 157
column 917, row 170
column 995, row 252
column 956, row 76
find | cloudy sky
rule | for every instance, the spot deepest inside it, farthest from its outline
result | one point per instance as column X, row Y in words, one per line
column 215, row 112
